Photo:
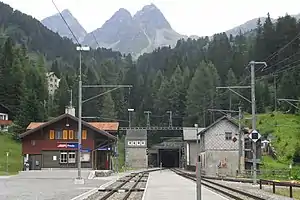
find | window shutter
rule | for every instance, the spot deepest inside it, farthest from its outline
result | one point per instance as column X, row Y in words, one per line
column 84, row 134
column 65, row 134
column 51, row 135
column 71, row 134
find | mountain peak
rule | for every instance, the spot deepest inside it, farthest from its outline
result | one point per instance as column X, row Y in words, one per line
column 150, row 7
column 66, row 11
column 151, row 15
column 56, row 24
column 122, row 13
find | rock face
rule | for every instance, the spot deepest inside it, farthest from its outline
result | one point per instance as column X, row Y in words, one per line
column 143, row 32
column 56, row 24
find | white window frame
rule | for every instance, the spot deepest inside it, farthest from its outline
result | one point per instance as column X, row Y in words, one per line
column 143, row 143
column 129, row 143
column 138, row 143
column 61, row 159
column 228, row 133
column 73, row 157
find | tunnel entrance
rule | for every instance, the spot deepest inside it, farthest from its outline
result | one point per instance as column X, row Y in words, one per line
column 169, row 157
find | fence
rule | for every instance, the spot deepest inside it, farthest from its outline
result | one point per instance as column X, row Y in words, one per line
column 281, row 184
column 274, row 174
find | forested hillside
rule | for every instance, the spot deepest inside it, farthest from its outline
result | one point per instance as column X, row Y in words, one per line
column 182, row 79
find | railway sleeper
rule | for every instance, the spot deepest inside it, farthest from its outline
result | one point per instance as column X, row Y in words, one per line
column 122, row 189
column 132, row 181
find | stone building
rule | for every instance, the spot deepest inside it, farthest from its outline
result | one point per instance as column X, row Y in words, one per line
column 219, row 148
column 53, row 83
column 135, row 149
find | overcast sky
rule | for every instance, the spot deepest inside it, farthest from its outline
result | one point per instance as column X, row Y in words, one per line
column 189, row 17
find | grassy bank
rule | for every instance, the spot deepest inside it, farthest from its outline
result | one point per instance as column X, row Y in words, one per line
column 14, row 159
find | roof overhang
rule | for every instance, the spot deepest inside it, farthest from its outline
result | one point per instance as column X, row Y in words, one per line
column 45, row 124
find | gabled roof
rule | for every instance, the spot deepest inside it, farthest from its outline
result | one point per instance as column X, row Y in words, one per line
column 6, row 108
column 105, row 126
column 217, row 121
column 34, row 127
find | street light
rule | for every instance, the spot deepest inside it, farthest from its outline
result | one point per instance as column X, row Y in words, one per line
column 198, row 186
column 129, row 115
column 79, row 179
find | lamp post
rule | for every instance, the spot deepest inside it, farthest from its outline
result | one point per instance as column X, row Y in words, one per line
column 79, row 179
column 7, row 154
column 198, row 172
column 130, row 110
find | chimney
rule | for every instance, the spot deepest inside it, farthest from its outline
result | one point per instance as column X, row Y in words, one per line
column 70, row 110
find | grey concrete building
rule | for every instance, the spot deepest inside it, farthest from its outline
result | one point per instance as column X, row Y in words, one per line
column 190, row 146
column 219, row 148
column 135, row 148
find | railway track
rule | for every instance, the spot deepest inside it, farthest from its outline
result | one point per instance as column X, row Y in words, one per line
column 225, row 190
column 130, row 187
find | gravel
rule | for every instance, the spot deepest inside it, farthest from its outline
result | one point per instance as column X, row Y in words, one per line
column 141, row 185
column 96, row 195
column 253, row 189
column 135, row 196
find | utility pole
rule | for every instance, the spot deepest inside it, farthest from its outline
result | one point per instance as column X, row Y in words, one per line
column 170, row 118
column 252, row 66
column 130, row 110
column 79, row 178
column 253, row 106
column 198, row 172
column 240, row 140
column 275, row 93
column 71, row 98
column 148, row 118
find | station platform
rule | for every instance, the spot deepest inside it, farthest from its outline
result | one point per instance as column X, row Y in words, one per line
column 165, row 185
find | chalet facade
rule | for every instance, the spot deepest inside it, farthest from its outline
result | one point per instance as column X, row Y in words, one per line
column 54, row 144
column 5, row 118
column 219, row 148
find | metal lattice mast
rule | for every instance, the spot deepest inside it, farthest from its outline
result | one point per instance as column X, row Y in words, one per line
column 170, row 118
column 148, row 117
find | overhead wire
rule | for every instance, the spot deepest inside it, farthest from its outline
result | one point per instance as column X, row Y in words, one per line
column 66, row 23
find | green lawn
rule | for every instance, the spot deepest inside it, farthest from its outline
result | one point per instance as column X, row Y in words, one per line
column 286, row 130
column 7, row 144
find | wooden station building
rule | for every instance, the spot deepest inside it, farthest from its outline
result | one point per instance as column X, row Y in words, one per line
column 54, row 144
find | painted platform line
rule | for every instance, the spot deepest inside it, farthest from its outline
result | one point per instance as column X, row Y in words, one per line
column 94, row 190
column 146, row 186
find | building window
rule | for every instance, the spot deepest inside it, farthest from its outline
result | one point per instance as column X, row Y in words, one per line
column 143, row 143
column 65, row 134
column 129, row 143
column 71, row 134
column 63, row 157
column 138, row 143
column 76, row 135
column 228, row 135
column 33, row 142
column 58, row 134
column 134, row 143
column 72, row 157
column 51, row 135
column 84, row 134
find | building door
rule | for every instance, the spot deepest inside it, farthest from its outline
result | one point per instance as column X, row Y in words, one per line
column 35, row 162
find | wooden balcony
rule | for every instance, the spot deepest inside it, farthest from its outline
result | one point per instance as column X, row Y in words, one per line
column 5, row 122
